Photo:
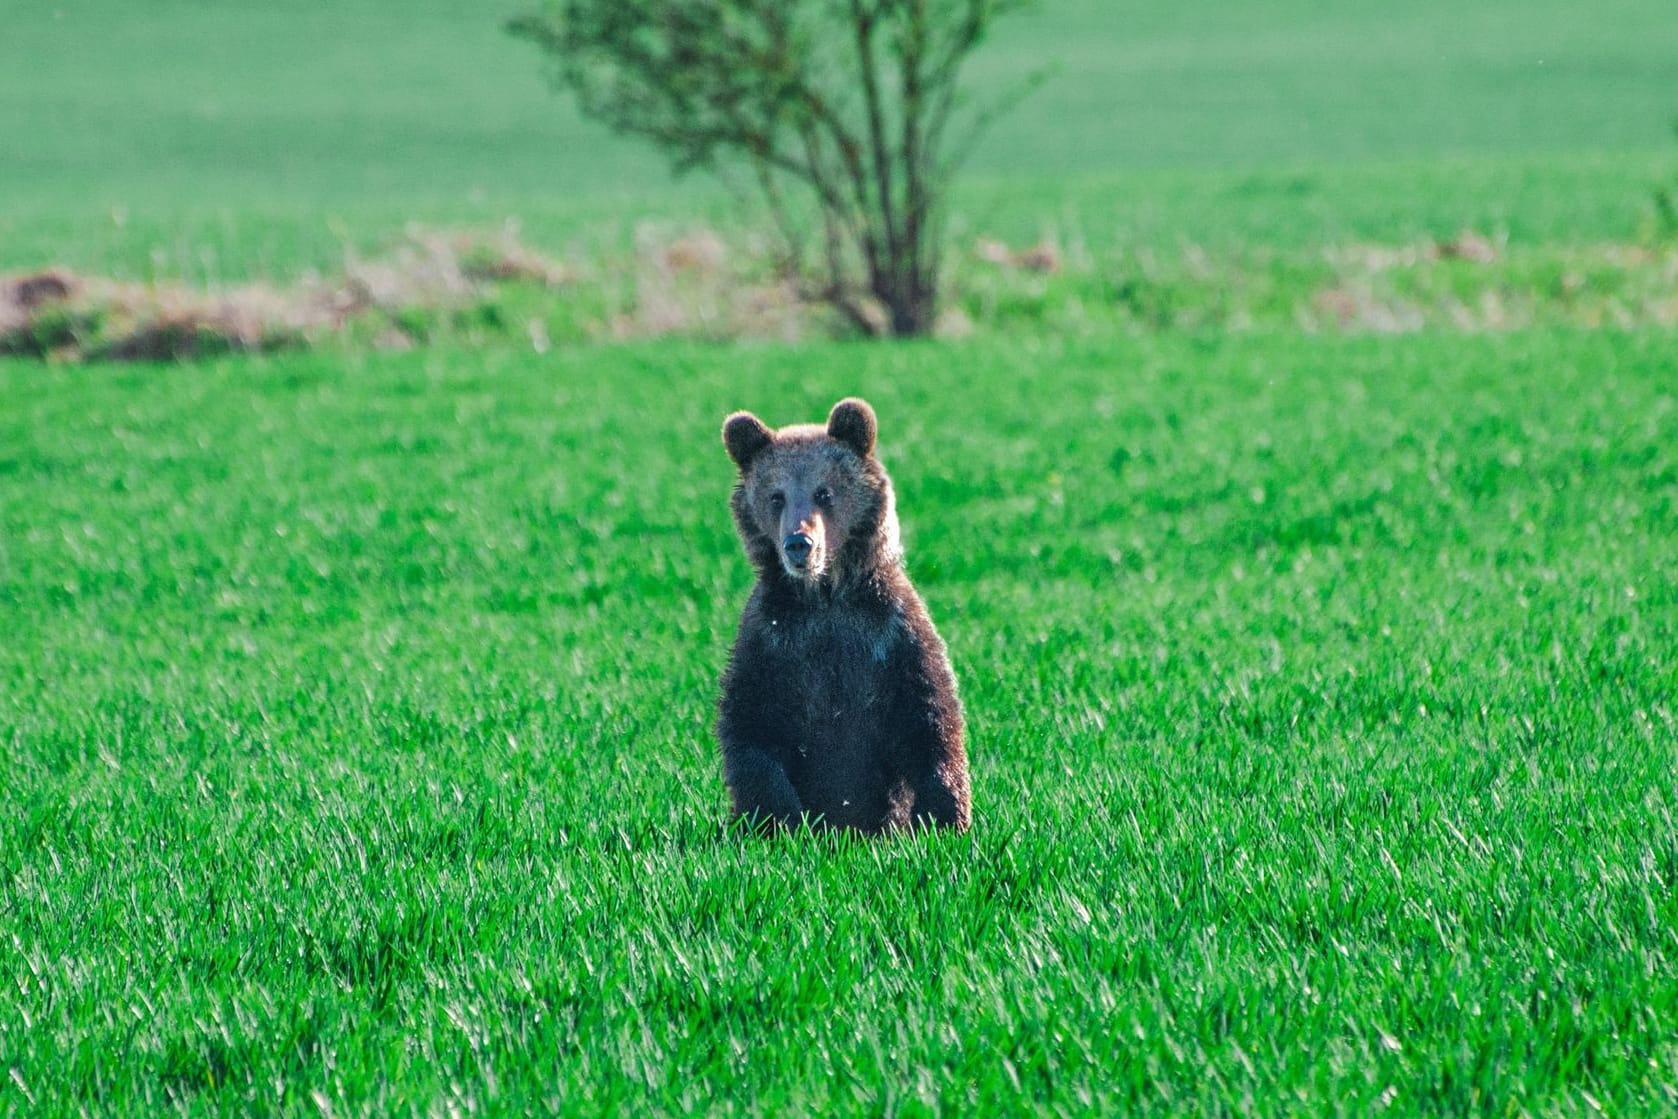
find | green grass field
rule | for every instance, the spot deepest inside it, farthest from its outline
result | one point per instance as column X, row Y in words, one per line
column 1320, row 682
column 179, row 138
column 1321, row 706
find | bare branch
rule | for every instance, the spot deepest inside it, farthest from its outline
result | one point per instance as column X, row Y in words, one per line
column 847, row 100
column 864, row 20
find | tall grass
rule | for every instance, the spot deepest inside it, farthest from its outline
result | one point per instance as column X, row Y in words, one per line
column 1320, row 694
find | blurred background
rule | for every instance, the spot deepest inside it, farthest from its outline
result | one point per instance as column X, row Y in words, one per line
column 212, row 141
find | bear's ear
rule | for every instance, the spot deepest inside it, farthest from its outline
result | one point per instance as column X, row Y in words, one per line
column 745, row 436
column 852, row 423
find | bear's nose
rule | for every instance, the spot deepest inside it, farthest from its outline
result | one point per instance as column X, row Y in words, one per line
column 797, row 547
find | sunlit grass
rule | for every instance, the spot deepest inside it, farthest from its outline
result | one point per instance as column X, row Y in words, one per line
column 1320, row 694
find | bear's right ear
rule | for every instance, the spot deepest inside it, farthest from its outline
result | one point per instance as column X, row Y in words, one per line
column 745, row 436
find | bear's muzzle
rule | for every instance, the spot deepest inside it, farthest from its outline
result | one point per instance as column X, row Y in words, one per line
column 797, row 548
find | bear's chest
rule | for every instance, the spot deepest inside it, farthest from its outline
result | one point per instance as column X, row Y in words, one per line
column 833, row 673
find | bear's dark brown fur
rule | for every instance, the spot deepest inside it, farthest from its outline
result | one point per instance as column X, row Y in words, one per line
column 838, row 705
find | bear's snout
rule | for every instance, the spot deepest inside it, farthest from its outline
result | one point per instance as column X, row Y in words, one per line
column 804, row 547
column 797, row 547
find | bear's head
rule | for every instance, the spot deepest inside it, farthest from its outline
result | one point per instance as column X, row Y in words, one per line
column 813, row 502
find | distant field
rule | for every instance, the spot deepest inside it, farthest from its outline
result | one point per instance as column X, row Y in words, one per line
column 1321, row 696
column 200, row 140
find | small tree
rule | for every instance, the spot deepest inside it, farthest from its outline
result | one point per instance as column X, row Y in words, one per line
column 853, row 102
column 1666, row 205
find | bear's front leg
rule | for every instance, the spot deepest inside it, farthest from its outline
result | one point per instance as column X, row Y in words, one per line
column 941, row 799
column 748, row 715
column 928, row 716
column 758, row 785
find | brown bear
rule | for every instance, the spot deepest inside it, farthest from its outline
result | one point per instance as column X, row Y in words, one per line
column 838, row 706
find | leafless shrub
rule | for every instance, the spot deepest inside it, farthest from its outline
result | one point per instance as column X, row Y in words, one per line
column 853, row 114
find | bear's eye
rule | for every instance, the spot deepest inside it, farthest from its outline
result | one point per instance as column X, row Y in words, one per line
column 824, row 496
column 777, row 501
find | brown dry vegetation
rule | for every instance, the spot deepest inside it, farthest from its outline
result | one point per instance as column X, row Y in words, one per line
column 693, row 282
column 56, row 315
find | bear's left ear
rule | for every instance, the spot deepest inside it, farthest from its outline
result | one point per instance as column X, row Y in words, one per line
column 852, row 423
